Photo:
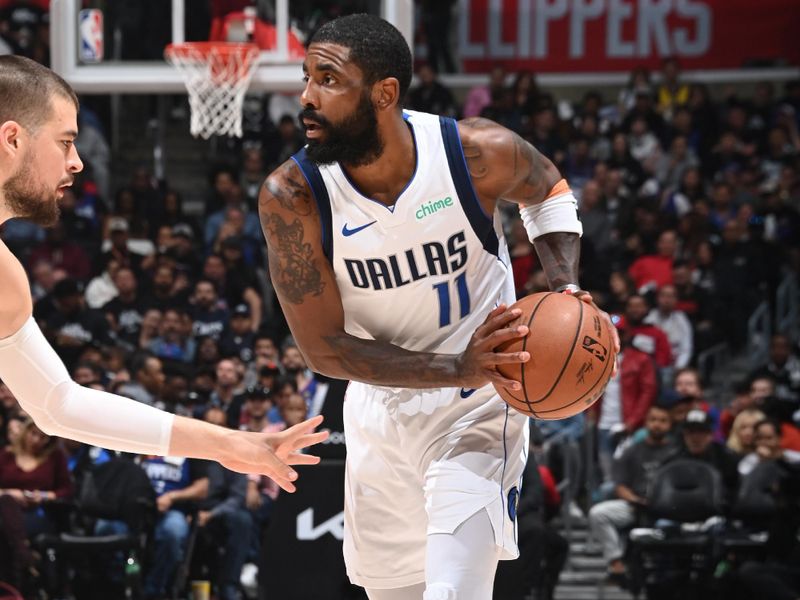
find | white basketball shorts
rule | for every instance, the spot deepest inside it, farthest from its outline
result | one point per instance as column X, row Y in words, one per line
column 421, row 462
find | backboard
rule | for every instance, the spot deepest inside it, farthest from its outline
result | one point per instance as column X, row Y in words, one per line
column 132, row 34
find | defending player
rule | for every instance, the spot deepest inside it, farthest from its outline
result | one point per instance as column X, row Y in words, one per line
column 392, row 270
column 38, row 160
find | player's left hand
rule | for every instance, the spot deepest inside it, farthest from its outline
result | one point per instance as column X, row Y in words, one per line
column 269, row 453
column 587, row 297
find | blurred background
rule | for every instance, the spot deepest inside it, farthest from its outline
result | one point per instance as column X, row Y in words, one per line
column 675, row 123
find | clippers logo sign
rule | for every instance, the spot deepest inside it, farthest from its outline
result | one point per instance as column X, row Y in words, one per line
column 91, row 34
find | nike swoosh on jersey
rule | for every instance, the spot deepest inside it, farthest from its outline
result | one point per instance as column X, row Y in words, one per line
column 466, row 393
column 348, row 232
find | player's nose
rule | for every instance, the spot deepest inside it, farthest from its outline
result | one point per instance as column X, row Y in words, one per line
column 74, row 162
column 308, row 97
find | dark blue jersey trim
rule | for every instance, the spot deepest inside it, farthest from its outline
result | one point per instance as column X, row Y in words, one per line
column 481, row 222
column 314, row 179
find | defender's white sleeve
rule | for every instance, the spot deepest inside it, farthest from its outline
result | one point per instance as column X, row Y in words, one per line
column 39, row 380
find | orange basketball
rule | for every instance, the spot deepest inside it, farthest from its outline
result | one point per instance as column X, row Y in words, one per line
column 572, row 356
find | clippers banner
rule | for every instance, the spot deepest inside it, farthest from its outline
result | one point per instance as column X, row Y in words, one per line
column 618, row 35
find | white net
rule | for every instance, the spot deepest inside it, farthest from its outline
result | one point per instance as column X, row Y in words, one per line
column 217, row 76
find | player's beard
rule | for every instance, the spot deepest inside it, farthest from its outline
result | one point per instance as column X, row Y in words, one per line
column 355, row 141
column 28, row 198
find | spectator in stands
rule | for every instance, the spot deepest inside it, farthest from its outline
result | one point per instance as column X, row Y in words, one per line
column 742, row 438
column 62, row 253
column 294, row 364
column 151, row 325
column 101, row 288
column 73, row 327
column 674, row 323
column 86, row 373
column 672, row 93
column 783, row 368
column 120, row 250
column 224, row 517
column 632, row 474
column 768, row 447
column 673, row 164
column 147, row 380
column 227, row 392
column 232, row 288
column 638, row 83
column 689, row 384
column 622, row 409
column 651, row 271
column 33, row 472
column 239, row 339
column 164, row 292
column 179, row 483
column 544, row 134
column 183, row 250
column 209, row 314
column 646, row 337
column 253, row 174
column 698, row 443
column 480, row 96
column 596, row 224
column 172, row 342
column 430, row 95
column 525, row 94
column 233, row 219
column 125, row 313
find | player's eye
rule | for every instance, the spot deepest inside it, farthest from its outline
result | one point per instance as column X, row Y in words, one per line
column 305, row 78
column 328, row 80
column 67, row 144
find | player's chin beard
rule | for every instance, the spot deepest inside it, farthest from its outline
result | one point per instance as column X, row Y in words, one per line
column 354, row 142
column 27, row 199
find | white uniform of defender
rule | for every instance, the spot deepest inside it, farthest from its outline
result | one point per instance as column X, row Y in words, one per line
column 423, row 275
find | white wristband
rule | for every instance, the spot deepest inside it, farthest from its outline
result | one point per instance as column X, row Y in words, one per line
column 555, row 214
column 41, row 384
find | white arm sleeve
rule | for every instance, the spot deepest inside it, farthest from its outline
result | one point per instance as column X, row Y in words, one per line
column 39, row 380
column 556, row 214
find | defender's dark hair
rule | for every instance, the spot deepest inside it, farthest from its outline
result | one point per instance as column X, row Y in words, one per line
column 27, row 89
column 376, row 47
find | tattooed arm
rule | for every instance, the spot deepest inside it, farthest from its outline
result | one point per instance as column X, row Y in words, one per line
column 503, row 165
column 306, row 287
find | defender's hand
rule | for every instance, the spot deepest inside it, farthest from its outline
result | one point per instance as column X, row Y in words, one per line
column 271, row 454
column 477, row 365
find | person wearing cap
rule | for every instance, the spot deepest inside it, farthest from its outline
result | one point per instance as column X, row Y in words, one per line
column 183, row 249
column 118, row 234
column 698, row 443
column 238, row 340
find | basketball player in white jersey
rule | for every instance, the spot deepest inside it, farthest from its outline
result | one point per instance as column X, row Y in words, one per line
column 389, row 261
column 38, row 160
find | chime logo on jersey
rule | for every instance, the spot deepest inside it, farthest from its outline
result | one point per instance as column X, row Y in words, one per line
column 397, row 270
column 432, row 207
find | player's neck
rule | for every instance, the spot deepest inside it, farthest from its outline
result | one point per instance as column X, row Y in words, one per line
column 385, row 178
column 5, row 213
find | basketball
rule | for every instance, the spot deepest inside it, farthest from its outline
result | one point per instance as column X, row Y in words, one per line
column 572, row 356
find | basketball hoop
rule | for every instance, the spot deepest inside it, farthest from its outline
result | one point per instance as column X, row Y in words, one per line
column 217, row 75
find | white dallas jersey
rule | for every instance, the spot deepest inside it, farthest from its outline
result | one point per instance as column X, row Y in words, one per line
column 422, row 274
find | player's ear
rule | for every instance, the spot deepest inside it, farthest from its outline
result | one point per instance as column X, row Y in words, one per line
column 10, row 138
column 386, row 93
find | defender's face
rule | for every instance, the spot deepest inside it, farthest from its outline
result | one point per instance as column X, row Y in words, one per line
column 46, row 167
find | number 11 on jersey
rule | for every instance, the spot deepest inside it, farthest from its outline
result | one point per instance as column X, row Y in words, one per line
column 443, row 291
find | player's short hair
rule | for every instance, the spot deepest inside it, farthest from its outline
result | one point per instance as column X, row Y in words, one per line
column 376, row 47
column 24, row 83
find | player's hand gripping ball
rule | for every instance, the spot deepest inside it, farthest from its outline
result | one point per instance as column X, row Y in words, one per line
column 572, row 356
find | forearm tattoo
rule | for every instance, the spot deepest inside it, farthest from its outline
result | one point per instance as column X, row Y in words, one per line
column 559, row 254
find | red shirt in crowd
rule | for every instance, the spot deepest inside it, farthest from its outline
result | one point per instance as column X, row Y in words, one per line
column 651, row 269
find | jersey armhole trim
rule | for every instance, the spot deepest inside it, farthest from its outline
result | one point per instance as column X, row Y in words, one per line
column 313, row 177
column 481, row 222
